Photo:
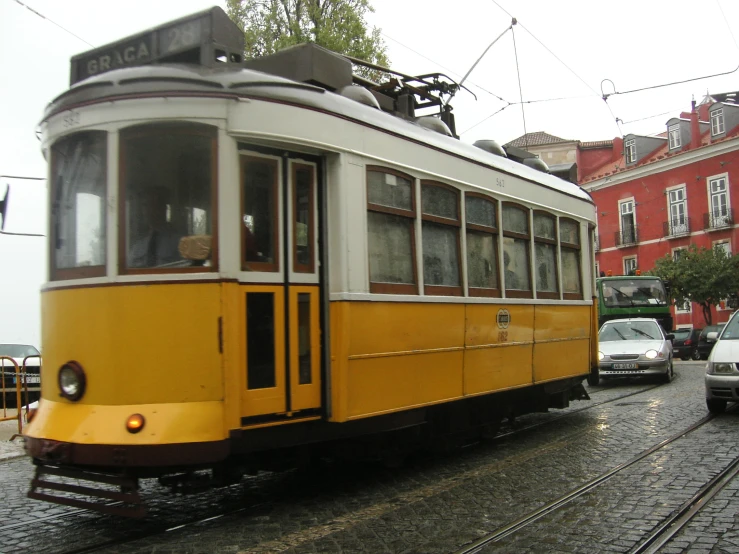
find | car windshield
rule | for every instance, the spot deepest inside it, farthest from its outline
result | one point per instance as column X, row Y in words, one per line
column 629, row 330
column 731, row 331
column 620, row 293
column 18, row 350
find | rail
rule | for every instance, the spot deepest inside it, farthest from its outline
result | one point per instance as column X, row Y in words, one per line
column 18, row 385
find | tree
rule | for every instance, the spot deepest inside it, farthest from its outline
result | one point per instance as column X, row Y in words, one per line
column 339, row 25
column 700, row 275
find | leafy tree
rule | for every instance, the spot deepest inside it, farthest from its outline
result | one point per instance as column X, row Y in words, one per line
column 701, row 275
column 339, row 25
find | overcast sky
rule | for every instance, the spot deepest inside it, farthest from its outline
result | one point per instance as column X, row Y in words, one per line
column 565, row 49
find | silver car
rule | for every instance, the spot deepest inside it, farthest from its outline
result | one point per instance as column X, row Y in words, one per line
column 635, row 347
column 722, row 375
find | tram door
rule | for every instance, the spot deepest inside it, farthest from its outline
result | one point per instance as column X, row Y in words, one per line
column 280, row 296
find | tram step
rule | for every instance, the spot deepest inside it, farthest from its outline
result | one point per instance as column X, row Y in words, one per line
column 125, row 502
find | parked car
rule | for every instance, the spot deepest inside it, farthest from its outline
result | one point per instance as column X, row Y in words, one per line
column 635, row 347
column 722, row 375
column 685, row 344
column 19, row 353
column 704, row 343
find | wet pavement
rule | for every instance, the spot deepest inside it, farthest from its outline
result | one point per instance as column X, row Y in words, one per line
column 439, row 503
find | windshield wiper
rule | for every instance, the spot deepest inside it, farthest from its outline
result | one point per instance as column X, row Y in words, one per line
column 643, row 333
column 619, row 334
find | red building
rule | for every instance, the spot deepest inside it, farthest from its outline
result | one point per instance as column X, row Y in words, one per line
column 656, row 195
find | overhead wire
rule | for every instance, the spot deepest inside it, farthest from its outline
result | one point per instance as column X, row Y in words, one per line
column 520, row 90
column 42, row 16
column 562, row 62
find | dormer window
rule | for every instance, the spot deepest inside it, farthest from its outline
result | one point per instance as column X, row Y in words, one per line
column 630, row 151
column 673, row 132
column 717, row 122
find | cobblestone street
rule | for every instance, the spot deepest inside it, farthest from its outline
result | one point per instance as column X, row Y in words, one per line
column 441, row 503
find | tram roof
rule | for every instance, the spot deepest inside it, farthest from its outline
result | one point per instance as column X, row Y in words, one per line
column 230, row 81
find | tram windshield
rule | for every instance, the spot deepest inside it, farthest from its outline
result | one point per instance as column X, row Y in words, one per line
column 169, row 195
column 78, row 204
column 621, row 293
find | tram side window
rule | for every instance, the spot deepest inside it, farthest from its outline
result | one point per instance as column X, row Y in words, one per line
column 545, row 251
column 482, row 246
column 569, row 238
column 260, row 214
column 78, row 201
column 440, row 215
column 167, row 181
column 516, row 240
column 390, row 229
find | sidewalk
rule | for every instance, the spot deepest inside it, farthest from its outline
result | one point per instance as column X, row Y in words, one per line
column 10, row 449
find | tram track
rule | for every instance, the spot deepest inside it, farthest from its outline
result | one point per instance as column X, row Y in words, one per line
column 659, row 537
column 202, row 518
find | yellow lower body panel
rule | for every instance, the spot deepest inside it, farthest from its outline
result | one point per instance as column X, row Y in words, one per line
column 388, row 356
column 164, row 423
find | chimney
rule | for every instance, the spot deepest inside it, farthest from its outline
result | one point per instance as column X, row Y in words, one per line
column 695, row 130
column 618, row 149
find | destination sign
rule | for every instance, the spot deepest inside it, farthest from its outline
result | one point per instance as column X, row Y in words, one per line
column 187, row 40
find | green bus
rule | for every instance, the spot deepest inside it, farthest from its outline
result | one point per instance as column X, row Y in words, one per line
column 634, row 296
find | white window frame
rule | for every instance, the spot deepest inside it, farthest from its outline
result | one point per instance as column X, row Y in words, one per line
column 717, row 122
column 621, row 213
column 630, row 150
column 709, row 190
column 629, row 259
column 680, row 228
column 673, row 132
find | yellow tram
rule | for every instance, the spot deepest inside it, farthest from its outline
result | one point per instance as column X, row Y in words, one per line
column 254, row 262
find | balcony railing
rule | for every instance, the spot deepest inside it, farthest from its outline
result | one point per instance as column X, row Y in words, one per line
column 627, row 237
column 676, row 227
column 718, row 219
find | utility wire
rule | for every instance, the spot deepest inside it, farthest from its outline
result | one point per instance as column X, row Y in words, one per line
column 727, row 24
column 484, row 120
column 520, row 91
column 42, row 16
column 547, row 49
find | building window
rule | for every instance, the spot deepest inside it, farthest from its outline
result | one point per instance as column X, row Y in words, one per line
column 683, row 307
column 545, row 254
column 719, row 215
column 516, row 251
column 678, row 211
column 482, row 246
column 630, row 151
column 628, row 223
column 630, row 265
column 440, row 228
column 569, row 243
column 674, row 134
column 717, row 122
column 676, row 253
column 390, row 227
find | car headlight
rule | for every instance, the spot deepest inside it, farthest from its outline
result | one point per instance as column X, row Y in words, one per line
column 601, row 355
column 651, row 354
column 720, row 367
column 72, row 381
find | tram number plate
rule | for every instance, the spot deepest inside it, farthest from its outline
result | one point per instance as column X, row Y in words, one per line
column 625, row 366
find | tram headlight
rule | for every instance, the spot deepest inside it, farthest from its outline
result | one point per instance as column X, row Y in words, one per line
column 72, row 381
